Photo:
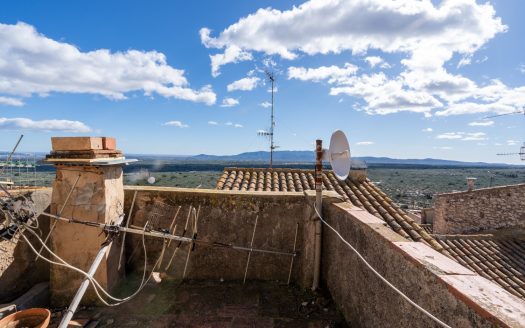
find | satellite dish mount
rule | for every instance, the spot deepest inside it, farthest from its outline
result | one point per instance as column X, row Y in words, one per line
column 339, row 156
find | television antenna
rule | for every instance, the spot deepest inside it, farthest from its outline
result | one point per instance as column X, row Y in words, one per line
column 339, row 156
column 269, row 134
column 511, row 113
column 522, row 148
column 521, row 153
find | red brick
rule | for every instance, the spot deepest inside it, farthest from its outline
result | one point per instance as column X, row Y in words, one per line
column 109, row 143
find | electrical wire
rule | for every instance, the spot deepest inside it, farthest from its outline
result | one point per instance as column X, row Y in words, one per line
column 428, row 314
column 96, row 285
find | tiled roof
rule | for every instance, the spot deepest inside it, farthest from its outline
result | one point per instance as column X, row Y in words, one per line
column 499, row 259
column 362, row 194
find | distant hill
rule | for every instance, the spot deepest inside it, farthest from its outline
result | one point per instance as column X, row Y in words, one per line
column 304, row 156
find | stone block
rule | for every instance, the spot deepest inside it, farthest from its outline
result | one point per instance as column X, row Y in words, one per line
column 77, row 143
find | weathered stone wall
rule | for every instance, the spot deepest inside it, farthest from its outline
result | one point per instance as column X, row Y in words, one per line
column 480, row 209
column 454, row 294
column 18, row 269
column 225, row 217
column 98, row 197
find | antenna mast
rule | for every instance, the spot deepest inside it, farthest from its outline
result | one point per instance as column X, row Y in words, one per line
column 269, row 134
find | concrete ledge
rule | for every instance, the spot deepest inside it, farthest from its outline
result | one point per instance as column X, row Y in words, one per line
column 446, row 289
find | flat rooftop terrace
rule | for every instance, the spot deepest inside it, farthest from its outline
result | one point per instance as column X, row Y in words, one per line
column 172, row 303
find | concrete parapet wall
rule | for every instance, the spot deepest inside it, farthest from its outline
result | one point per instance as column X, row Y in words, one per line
column 480, row 209
column 446, row 289
column 226, row 217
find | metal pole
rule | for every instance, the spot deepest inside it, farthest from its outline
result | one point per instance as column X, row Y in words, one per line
column 318, row 206
column 127, row 224
column 271, row 129
column 83, row 287
column 250, row 253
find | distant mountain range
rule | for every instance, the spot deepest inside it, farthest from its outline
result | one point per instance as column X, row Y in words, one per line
column 284, row 157
column 297, row 156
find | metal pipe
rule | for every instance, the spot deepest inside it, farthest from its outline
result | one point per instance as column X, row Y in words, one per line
column 166, row 235
column 318, row 206
column 250, row 253
column 294, row 246
column 83, row 287
column 124, row 236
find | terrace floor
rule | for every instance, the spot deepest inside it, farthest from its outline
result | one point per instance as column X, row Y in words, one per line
column 215, row 304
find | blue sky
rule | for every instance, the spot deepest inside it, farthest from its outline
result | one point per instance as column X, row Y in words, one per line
column 405, row 79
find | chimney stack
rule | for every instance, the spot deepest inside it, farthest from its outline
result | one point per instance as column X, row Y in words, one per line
column 88, row 187
column 470, row 183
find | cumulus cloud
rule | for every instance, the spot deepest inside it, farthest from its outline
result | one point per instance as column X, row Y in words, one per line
column 373, row 61
column 408, row 26
column 465, row 136
column 386, row 96
column 43, row 125
column 266, row 104
column 232, row 54
column 233, row 125
column 427, row 130
column 31, row 63
column 245, row 84
column 426, row 35
column 212, row 123
column 333, row 74
column 11, row 101
column 177, row 124
column 229, row 102
column 482, row 123
column 365, row 143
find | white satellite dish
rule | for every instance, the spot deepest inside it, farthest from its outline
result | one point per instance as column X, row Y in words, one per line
column 339, row 155
column 151, row 180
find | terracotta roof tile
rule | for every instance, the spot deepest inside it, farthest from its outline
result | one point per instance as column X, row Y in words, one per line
column 499, row 259
column 362, row 194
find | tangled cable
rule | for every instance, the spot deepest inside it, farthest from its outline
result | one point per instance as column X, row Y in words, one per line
column 96, row 285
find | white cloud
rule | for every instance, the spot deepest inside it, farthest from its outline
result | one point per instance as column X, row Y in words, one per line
column 521, row 68
column 373, row 61
column 429, row 34
column 365, row 143
column 445, row 148
column 31, row 63
column 232, row 55
column 234, row 125
column 511, row 142
column 212, row 123
column 177, row 124
column 245, row 84
column 426, row 35
column 11, row 101
column 229, row 102
column 44, row 125
column 266, row 104
column 465, row 136
column 386, row 96
column 333, row 74
column 427, row 130
column 482, row 123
